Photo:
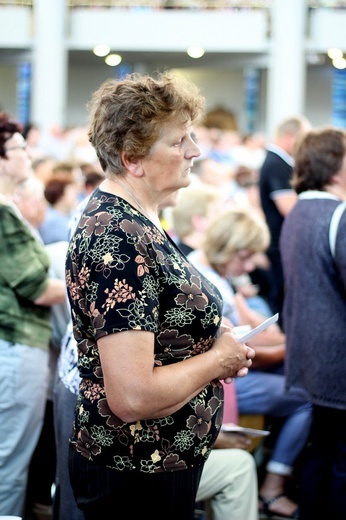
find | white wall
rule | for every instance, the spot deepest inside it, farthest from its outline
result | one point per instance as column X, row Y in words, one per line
column 170, row 30
column 16, row 26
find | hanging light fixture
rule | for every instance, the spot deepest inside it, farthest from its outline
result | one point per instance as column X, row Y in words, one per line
column 113, row 59
column 195, row 51
column 101, row 50
column 339, row 63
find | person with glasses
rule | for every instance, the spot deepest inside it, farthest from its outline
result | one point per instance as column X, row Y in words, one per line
column 26, row 295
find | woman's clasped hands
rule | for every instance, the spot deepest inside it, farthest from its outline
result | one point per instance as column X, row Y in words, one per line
column 235, row 357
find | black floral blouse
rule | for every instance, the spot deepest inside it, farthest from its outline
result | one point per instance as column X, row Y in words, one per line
column 122, row 274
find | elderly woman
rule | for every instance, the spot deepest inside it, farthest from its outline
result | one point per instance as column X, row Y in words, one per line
column 147, row 323
column 26, row 294
column 232, row 239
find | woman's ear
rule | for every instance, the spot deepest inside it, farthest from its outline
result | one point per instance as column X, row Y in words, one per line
column 132, row 165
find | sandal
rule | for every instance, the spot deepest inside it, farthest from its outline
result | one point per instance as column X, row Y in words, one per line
column 267, row 502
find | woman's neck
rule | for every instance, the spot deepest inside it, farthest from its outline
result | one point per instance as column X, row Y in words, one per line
column 337, row 190
column 7, row 189
column 124, row 190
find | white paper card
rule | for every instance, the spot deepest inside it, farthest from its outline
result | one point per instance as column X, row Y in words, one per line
column 249, row 335
column 251, row 432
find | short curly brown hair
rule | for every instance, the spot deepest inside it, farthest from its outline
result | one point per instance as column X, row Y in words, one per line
column 8, row 127
column 127, row 115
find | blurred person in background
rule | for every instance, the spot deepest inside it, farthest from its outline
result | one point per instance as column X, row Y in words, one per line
column 278, row 197
column 212, row 172
column 32, row 135
column 250, row 152
column 42, row 167
column 92, row 179
column 82, row 150
column 231, row 240
column 61, row 193
column 223, row 144
column 74, row 170
column 58, row 142
column 245, row 189
column 26, row 296
column 313, row 249
column 31, row 201
column 191, row 215
column 257, row 282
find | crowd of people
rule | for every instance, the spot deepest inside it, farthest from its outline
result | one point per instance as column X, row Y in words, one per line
column 130, row 250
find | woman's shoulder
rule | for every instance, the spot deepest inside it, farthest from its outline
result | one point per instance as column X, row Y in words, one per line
column 11, row 220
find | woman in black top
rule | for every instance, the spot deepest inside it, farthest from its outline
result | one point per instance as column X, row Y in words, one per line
column 148, row 325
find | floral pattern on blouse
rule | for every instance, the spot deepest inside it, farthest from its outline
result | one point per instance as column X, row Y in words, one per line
column 122, row 273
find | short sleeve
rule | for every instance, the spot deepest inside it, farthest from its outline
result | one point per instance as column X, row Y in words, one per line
column 23, row 261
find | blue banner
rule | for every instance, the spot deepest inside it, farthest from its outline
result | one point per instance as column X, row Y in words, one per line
column 339, row 98
column 23, row 92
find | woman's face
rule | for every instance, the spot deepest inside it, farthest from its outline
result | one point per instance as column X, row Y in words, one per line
column 241, row 262
column 17, row 164
column 168, row 166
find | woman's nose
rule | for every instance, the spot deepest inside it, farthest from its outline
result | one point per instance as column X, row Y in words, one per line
column 193, row 150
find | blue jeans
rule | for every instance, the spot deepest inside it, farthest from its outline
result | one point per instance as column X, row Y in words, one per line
column 262, row 392
column 23, row 393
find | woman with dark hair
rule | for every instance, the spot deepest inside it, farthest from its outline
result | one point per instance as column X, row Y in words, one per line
column 313, row 251
column 61, row 193
column 26, row 294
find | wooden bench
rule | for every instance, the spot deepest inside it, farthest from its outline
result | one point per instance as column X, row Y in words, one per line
column 256, row 421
